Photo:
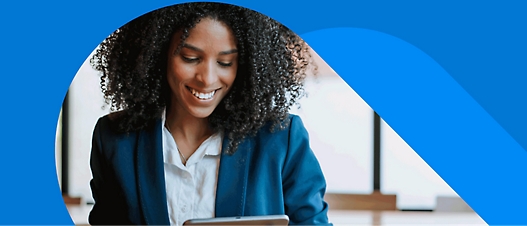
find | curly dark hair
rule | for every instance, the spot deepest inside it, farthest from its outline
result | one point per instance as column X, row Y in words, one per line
column 273, row 62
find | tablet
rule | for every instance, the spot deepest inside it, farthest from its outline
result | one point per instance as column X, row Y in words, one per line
column 245, row 220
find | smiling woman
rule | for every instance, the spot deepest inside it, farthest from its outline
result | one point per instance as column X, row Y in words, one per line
column 200, row 128
column 200, row 74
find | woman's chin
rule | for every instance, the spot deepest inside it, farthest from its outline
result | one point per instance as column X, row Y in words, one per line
column 201, row 113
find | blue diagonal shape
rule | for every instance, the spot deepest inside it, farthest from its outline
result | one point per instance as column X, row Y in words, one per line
column 434, row 115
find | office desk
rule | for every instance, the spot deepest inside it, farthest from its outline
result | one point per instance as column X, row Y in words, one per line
column 365, row 217
column 79, row 214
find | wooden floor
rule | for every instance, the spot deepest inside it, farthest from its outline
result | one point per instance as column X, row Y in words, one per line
column 79, row 214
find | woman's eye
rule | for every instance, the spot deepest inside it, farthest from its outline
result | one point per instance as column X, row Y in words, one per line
column 189, row 59
column 224, row 64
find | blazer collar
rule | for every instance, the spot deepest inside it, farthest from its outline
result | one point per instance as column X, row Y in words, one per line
column 151, row 175
column 232, row 179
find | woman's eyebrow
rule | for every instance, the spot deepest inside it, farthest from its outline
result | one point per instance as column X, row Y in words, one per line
column 189, row 46
column 228, row 52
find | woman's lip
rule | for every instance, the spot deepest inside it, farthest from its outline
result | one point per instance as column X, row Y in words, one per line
column 202, row 96
column 201, row 91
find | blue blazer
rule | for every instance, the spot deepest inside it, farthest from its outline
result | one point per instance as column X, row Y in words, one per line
column 270, row 173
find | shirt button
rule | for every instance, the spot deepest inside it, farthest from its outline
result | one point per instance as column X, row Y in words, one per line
column 184, row 208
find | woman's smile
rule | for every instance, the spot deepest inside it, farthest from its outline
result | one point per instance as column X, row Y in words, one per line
column 202, row 95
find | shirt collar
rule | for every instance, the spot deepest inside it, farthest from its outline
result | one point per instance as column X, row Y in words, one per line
column 215, row 141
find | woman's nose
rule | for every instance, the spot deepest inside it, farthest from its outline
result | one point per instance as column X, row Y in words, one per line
column 207, row 73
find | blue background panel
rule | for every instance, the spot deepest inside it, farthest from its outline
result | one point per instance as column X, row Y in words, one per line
column 468, row 86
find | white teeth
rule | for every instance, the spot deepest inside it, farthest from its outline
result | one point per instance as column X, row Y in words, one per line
column 203, row 96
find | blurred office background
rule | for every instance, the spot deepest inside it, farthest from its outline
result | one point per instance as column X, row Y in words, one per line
column 373, row 177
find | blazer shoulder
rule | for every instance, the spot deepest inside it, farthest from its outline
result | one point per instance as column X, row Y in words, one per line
column 280, row 140
column 110, row 141
column 110, row 122
column 291, row 116
column 107, row 123
column 270, row 129
column 295, row 120
column 296, row 124
column 107, row 128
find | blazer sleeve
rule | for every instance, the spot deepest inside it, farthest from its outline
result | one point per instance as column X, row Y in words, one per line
column 108, row 207
column 303, row 182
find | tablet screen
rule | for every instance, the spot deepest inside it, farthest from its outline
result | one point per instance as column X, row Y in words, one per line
column 244, row 220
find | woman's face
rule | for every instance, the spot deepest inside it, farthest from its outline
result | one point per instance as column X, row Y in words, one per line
column 203, row 71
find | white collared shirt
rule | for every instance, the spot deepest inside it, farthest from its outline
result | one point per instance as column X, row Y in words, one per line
column 191, row 189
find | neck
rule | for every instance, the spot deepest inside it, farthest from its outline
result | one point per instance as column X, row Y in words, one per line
column 187, row 130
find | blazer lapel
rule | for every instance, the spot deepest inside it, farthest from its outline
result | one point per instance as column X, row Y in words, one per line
column 232, row 179
column 151, row 176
